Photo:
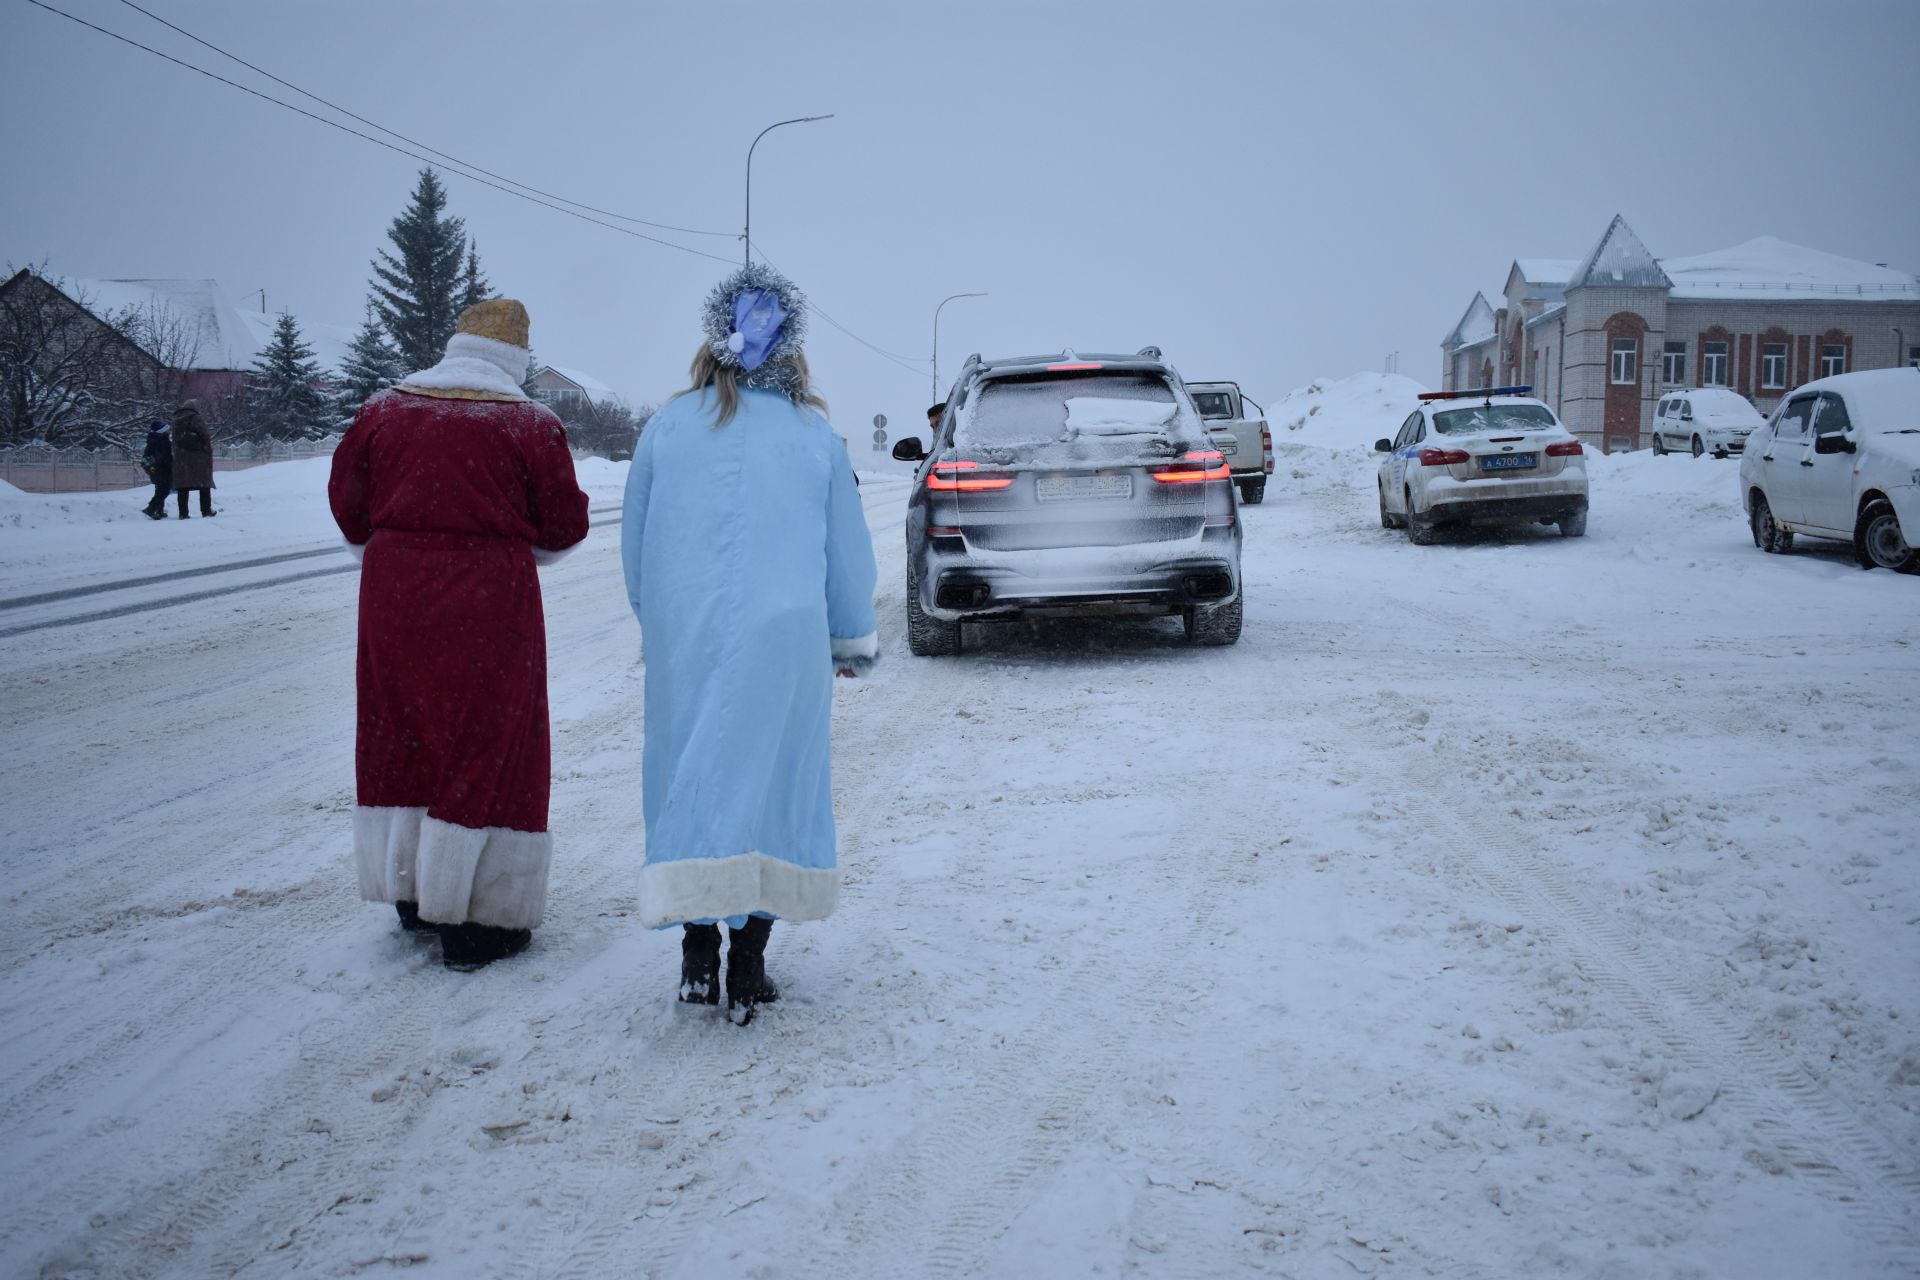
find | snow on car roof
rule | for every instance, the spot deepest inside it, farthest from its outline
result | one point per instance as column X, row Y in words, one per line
column 1877, row 399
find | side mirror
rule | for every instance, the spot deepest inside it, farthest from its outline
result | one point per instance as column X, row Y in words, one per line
column 1383, row 446
column 909, row 450
column 1687, row 416
column 1833, row 444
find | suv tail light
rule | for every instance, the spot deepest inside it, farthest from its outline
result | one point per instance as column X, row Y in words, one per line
column 1565, row 449
column 1266, row 450
column 1442, row 457
column 955, row 476
column 1194, row 466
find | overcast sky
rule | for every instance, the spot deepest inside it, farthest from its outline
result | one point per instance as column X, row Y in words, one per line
column 1269, row 192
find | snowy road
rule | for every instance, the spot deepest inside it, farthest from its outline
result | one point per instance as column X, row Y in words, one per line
column 1525, row 906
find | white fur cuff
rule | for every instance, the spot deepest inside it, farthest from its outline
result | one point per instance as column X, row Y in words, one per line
column 543, row 557
column 483, row 875
column 358, row 550
column 858, row 653
column 715, row 888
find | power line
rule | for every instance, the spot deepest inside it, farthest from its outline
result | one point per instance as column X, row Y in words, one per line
column 905, row 362
column 380, row 142
column 458, row 167
column 468, row 164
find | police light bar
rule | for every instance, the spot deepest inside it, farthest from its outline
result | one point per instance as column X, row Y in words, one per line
column 1481, row 393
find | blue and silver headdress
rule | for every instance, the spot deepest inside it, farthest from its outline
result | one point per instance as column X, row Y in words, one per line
column 755, row 321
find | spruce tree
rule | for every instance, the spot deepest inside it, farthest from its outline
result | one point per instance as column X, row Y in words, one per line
column 285, row 402
column 417, row 290
column 473, row 285
column 371, row 366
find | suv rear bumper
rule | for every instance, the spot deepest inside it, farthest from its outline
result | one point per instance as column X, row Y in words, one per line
column 1158, row 577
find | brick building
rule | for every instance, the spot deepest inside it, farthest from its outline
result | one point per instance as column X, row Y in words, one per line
column 1603, row 337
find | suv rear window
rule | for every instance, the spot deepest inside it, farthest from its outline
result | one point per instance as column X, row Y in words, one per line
column 1032, row 408
column 1493, row 417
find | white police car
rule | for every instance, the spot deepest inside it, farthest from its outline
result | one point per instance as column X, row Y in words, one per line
column 1488, row 455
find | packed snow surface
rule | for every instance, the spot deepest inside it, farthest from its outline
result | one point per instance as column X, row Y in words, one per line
column 1520, row 906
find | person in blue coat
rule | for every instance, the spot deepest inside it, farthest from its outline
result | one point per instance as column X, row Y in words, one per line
column 749, row 565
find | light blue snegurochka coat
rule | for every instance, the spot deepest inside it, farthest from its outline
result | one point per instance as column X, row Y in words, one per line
column 750, row 567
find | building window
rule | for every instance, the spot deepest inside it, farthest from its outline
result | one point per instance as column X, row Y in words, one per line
column 1833, row 359
column 1773, row 366
column 1673, row 365
column 1626, row 368
column 1713, row 364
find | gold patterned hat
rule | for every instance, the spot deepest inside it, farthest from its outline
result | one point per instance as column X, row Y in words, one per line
column 501, row 319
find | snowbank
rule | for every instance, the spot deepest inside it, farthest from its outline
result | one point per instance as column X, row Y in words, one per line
column 1357, row 410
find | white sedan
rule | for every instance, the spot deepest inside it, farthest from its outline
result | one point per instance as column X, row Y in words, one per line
column 1478, row 456
column 1840, row 459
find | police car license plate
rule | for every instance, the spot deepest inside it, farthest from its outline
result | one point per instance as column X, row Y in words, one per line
column 1509, row 462
column 1056, row 488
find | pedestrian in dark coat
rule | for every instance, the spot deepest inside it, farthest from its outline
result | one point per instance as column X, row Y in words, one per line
column 157, row 461
column 192, row 458
column 453, row 486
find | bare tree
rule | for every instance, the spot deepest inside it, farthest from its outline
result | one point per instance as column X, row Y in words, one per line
column 608, row 429
column 72, row 377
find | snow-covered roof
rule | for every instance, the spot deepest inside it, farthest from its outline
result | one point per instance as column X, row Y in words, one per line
column 1476, row 325
column 1551, row 313
column 226, row 337
column 1620, row 260
column 1768, row 267
column 1545, row 270
column 585, row 381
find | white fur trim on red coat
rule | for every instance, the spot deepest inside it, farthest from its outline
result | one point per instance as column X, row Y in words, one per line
column 543, row 557
column 715, row 888
column 358, row 550
column 457, row 875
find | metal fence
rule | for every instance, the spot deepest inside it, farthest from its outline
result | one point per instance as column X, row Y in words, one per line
column 43, row 470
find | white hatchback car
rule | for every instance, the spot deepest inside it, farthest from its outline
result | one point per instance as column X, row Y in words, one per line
column 1711, row 420
column 1485, row 455
column 1840, row 459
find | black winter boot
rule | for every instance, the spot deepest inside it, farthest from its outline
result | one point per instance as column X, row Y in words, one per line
column 700, row 964
column 747, row 983
column 409, row 913
column 466, row 947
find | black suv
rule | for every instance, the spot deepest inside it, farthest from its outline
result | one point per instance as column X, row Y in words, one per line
column 1069, row 484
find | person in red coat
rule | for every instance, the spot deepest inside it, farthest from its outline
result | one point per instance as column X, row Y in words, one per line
column 452, row 487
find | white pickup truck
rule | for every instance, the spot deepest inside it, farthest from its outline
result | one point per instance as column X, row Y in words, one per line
column 1246, row 442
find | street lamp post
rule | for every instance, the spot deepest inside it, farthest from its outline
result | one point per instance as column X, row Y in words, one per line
column 936, row 337
column 748, row 236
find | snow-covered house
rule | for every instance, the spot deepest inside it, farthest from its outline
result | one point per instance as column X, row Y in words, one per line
column 1603, row 337
column 568, row 389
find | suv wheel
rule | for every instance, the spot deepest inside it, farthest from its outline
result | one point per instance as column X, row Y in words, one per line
column 928, row 637
column 1253, row 492
column 1878, row 542
column 1213, row 624
column 1659, row 445
column 1699, row 446
column 1767, row 533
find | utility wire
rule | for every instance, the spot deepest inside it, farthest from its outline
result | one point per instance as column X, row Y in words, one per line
column 468, row 164
column 908, row 363
column 459, row 167
column 334, row 124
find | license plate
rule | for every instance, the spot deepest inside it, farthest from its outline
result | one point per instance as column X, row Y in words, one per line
column 1057, row 488
column 1509, row 462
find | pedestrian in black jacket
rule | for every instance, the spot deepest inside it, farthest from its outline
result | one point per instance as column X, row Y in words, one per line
column 157, row 462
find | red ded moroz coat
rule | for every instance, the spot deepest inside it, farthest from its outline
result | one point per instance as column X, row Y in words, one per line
column 453, row 498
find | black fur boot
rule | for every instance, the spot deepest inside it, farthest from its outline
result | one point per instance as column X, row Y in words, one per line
column 747, row 983
column 466, row 947
column 700, row 964
column 410, row 921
